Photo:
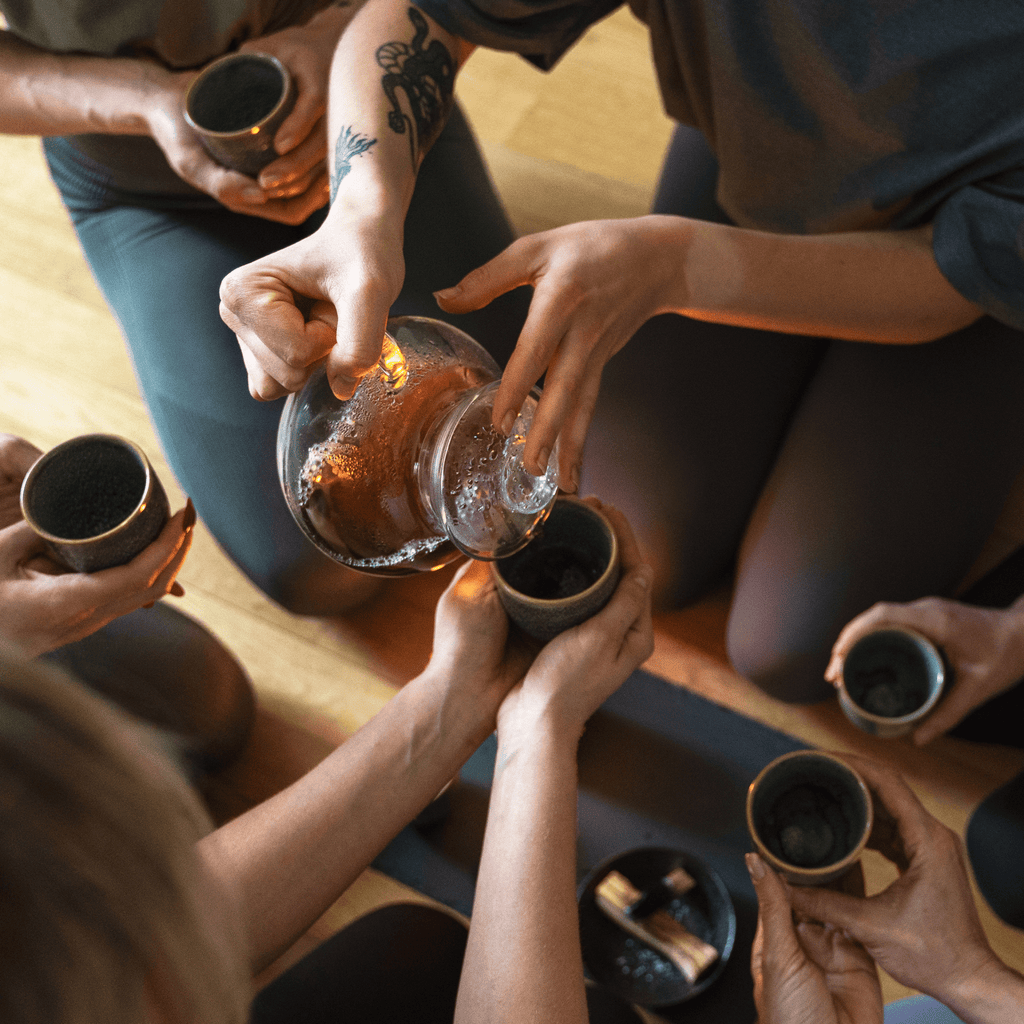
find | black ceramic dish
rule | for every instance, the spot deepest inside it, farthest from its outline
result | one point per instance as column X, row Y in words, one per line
column 623, row 964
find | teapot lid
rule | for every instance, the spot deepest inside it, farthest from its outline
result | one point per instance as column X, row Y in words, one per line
column 487, row 501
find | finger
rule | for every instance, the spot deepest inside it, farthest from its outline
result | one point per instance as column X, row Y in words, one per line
column 20, row 545
column 354, row 356
column 952, row 709
column 775, row 916
column 262, row 386
column 899, row 801
column 306, row 116
column 572, row 436
column 17, row 456
column 511, row 268
column 296, row 209
column 851, row 633
column 851, row 914
column 309, row 154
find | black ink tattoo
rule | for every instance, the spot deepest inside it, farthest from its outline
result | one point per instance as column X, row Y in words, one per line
column 427, row 77
column 349, row 144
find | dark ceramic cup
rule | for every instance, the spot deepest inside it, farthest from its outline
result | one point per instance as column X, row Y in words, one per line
column 809, row 815
column 236, row 104
column 566, row 573
column 891, row 679
column 95, row 501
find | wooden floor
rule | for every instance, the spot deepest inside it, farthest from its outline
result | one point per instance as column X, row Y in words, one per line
column 64, row 371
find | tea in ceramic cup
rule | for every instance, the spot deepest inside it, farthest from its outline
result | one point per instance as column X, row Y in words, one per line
column 809, row 815
column 236, row 104
column 564, row 575
column 890, row 680
column 95, row 501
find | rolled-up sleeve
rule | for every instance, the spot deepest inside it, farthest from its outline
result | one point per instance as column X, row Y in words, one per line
column 978, row 242
column 540, row 30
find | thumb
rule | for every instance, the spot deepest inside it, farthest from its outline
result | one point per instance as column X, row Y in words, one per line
column 775, row 913
column 951, row 710
column 850, row 914
column 506, row 271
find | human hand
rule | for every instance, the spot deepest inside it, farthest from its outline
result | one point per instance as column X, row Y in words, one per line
column 43, row 606
column 473, row 646
column 296, row 184
column 805, row 971
column 595, row 283
column 924, row 928
column 574, row 673
column 985, row 648
column 352, row 264
column 17, row 457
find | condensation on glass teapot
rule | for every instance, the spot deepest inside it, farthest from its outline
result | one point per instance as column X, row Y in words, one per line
column 409, row 474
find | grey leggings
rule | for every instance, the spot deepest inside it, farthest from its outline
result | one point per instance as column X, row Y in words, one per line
column 821, row 475
column 159, row 261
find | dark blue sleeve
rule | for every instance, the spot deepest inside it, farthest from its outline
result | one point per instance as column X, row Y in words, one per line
column 540, row 30
column 978, row 243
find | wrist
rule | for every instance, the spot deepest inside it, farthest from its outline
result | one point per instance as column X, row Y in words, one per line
column 992, row 993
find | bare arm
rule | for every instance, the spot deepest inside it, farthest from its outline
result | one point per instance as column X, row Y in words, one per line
column 523, row 960
column 292, row 856
column 597, row 282
column 391, row 92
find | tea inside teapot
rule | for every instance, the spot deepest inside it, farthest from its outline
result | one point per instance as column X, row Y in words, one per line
column 409, row 473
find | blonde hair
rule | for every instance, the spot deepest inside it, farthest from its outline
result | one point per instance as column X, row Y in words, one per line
column 106, row 911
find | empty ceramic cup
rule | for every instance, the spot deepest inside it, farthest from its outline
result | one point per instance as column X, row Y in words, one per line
column 809, row 815
column 236, row 104
column 565, row 574
column 891, row 679
column 95, row 501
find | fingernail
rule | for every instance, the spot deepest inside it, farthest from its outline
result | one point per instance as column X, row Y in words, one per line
column 448, row 293
column 254, row 195
column 645, row 577
column 508, row 422
column 272, row 181
column 755, row 866
column 542, row 458
column 574, row 478
column 177, row 590
column 150, row 605
column 189, row 520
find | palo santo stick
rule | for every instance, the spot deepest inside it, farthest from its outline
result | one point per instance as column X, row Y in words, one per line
column 691, row 955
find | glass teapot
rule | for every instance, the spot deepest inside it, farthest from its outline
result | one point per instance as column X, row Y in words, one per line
column 409, row 474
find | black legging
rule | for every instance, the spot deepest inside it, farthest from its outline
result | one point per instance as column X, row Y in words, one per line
column 826, row 474
column 399, row 964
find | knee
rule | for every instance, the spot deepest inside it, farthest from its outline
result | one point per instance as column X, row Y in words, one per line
column 786, row 663
column 995, row 846
column 319, row 588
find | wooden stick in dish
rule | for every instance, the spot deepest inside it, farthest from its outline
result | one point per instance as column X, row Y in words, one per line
column 662, row 932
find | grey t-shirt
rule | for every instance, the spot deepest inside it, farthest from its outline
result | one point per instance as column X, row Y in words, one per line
column 833, row 115
column 178, row 33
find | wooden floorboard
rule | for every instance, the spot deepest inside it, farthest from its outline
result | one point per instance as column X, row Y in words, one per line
column 555, row 159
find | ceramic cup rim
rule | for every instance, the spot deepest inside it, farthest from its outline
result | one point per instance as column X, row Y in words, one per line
column 549, row 603
column 826, row 872
column 230, row 58
column 60, row 449
column 912, row 716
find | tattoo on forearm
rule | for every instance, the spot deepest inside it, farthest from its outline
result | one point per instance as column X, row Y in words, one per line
column 427, row 77
column 349, row 144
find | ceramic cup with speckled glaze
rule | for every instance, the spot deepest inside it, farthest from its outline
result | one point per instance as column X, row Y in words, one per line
column 566, row 573
column 236, row 104
column 809, row 815
column 891, row 679
column 95, row 501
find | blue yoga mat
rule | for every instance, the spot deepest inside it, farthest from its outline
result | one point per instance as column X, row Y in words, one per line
column 659, row 766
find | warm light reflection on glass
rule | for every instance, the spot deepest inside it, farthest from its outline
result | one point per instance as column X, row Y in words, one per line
column 392, row 365
column 256, row 130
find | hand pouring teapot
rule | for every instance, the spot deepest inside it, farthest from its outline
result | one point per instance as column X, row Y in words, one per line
column 409, row 474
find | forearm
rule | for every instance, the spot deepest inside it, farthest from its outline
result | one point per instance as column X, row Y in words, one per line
column 387, row 105
column 523, row 961
column 993, row 996
column 880, row 286
column 43, row 93
column 293, row 855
